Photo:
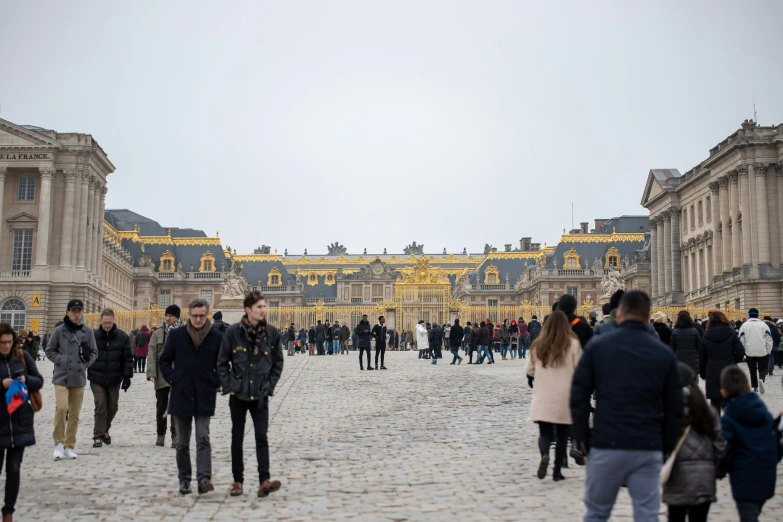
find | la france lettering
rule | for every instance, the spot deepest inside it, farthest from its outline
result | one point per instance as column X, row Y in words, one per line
column 23, row 156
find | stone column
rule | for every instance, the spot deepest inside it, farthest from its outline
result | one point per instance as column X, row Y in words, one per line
column 762, row 214
column 675, row 258
column 77, row 207
column 3, row 172
column 99, row 224
column 725, row 234
column 44, row 215
column 736, row 234
column 667, row 252
column 686, row 259
column 654, row 256
column 66, row 240
column 779, row 172
column 82, row 226
column 89, row 230
column 717, row 252
column 747, row 249
column 661, row 259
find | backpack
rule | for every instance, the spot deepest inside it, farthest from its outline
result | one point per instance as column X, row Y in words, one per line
column 533, row 328
column 141, row 340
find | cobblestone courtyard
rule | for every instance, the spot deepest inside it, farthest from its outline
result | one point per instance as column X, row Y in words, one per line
column 416, row 442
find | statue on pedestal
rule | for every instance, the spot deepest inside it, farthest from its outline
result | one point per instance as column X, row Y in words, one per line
column 236, row 284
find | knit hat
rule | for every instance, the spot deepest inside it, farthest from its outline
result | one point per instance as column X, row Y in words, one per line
column 217, row 316
column 753, row 313
column 567, row 304
column 173, row 310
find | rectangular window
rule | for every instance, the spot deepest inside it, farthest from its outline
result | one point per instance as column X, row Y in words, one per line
column 22, row 255
column 26, row 188
column 492, row 302
column 684, row 221
column 612, row 260
column 208, row 265
column 377, row 290
column 572, row 290
column 709, row 209
column 356, row 291
column 273, row 304
column 165, row 299
column 167, row 265
column 571, row 263
column 701, row 214
column 693, row 217
column 207, row 294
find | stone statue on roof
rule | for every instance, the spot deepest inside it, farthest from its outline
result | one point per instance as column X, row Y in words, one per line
column 611, row 283
column 263, row 249
column 335, row 249
column 414, row 249
column 597, row 265
column 236, row 284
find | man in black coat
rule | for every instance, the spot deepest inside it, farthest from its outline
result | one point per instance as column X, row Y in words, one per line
column 249, row 365
column 311, row 339
column 579, row 325
column 363, row 334
column 455, row 340
column 379, row 333
column 320, row 337
column 638, row 411
column 189, row 364
column 114, row 366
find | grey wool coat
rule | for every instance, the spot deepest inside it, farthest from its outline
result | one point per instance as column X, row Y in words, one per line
column 63, row 350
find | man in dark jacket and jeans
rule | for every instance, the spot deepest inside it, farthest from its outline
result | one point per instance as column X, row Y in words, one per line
column 114, row 366
column 455, row 340
column 363, row 334
column 249, row 365
column 638, row 412
column 379, row 333
column 188, row 363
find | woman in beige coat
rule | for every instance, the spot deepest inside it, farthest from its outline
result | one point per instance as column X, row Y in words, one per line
column 553, row 359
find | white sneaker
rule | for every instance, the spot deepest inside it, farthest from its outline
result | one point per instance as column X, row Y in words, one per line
column 58, row 452
column 761, row 387
column 70, row 454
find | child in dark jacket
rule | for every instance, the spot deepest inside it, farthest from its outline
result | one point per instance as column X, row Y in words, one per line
column 753, row 447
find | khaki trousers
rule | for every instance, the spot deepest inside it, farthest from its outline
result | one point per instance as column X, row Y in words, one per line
column 68, row 402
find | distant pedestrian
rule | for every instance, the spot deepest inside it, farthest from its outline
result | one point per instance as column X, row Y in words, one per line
column 757, row 340
column 422, row 338
column 142, row 341
column 720, row 348
column 363, row 335
column 379, row 333
column 456, row 334
column 311, row 339
column 291, row 340
column 154, row 374
column 686, row 342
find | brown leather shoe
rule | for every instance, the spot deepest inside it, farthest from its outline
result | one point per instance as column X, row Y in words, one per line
column 8, row 518
column 236, row 489
column 269, row 486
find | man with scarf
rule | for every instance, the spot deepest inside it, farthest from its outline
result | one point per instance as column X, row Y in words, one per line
column 249, row 365
column 72, row 349
column 162, row 388
column 189, row 364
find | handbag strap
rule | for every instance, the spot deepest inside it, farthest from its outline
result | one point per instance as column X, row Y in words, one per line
column 20, row 353
column 682, row 440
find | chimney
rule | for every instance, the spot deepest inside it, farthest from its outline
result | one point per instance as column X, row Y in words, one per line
column 508, row 247
column 598, row 224
column 748, row 124
column 524, row 244
column 584, row 225
column 535, row 247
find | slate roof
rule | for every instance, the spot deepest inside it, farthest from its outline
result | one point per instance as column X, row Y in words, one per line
column 626, row 224
column 664, row 176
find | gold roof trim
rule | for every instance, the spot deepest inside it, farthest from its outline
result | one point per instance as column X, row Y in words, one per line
column 519, row 255
column 114, row 235
column 603, row 238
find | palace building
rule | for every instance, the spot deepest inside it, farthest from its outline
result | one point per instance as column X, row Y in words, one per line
column 61, row 243
column 717, row 230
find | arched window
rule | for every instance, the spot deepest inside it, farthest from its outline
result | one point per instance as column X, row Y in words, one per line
column 14, row 313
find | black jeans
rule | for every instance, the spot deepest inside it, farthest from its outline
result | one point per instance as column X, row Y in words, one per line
column 749, row 511
column 259, row 412
column 361, row 352
column 379, row 351
column 697, row 513
column 546, row 433
column 13, row 463
column 717, row 404
column 161, row 405
column 141, row 364
column 760, row 364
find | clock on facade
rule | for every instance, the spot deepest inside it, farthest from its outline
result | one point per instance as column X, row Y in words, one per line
column 377, row 269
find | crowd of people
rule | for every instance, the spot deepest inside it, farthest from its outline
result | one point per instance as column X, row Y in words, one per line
column 623, row 390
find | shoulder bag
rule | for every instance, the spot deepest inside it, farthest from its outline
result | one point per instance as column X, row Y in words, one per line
column 668, row 466
column 35, row 398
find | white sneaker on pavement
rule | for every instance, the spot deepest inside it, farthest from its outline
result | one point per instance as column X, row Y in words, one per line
column 58, row 452
column 761, row 387
column 70, row 454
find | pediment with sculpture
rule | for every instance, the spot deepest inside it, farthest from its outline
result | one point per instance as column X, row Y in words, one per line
column 375, row 270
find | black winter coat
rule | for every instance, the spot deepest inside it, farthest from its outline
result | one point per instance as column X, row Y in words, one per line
column 17, row 429
column 250, row 377
column 379, row 333
column 436, row 341
column 363, row 334
column 482, row 337
column 311, row 335
column 581, row 328
column 720, row 348
column 320, row 333
column 686, row 345
column 664, row 334
column 455, row 336
column 192, row 373
column 115, row 360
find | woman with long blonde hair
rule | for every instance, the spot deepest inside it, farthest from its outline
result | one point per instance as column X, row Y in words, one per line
column 553, row 359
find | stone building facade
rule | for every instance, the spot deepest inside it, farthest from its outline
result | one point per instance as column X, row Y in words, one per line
column 717, row 230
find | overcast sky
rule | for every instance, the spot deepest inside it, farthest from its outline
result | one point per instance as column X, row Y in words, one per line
column 375, row 124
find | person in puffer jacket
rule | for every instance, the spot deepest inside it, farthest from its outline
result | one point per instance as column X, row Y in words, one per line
column 686, row 341
column 757, row 340
column 690, row 489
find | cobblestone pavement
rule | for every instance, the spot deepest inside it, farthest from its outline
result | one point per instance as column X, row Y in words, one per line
column 416, row 442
